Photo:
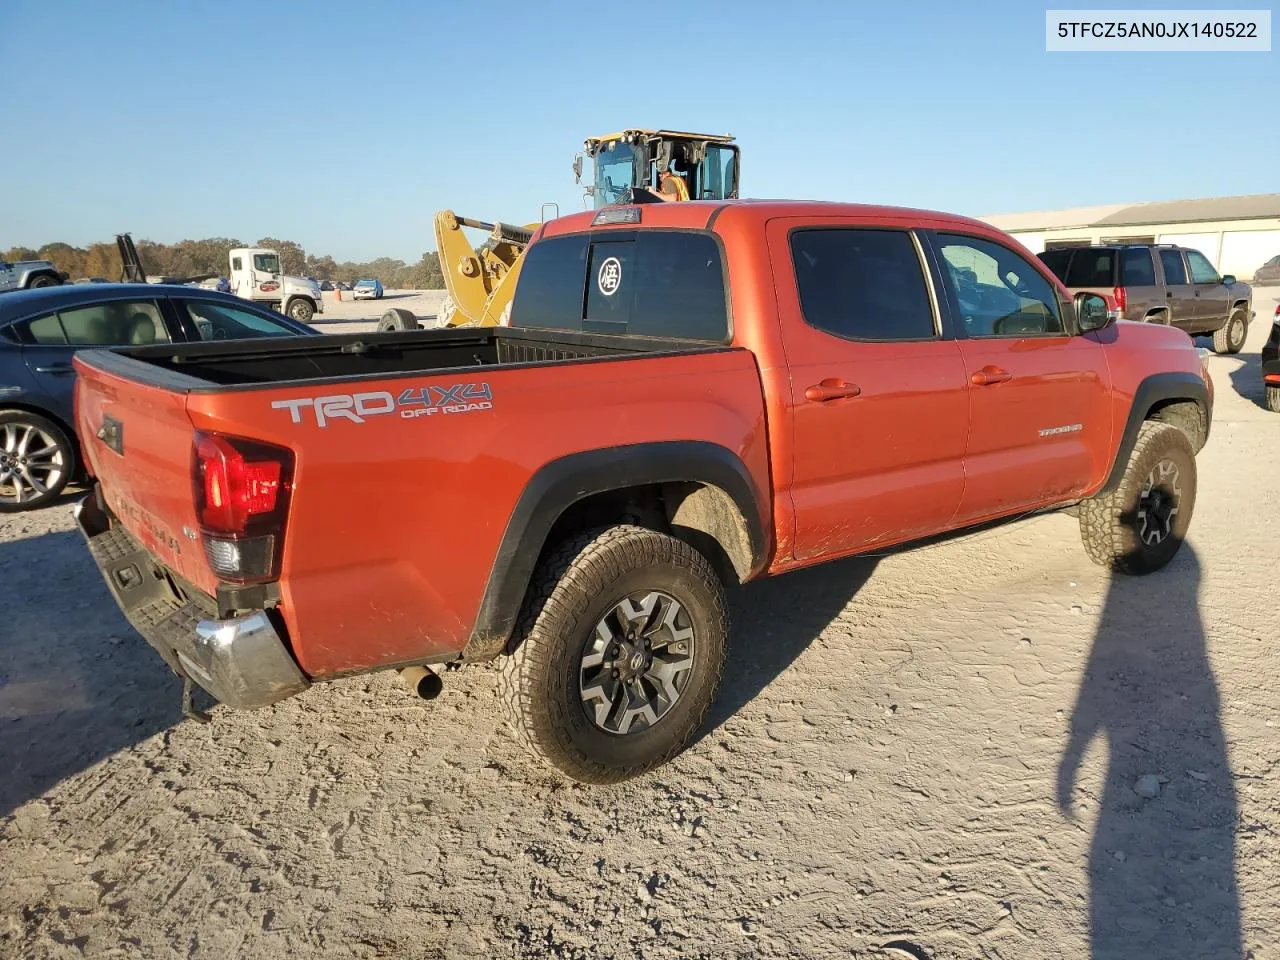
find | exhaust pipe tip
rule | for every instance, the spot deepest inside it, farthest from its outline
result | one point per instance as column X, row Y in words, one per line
column 423, row 681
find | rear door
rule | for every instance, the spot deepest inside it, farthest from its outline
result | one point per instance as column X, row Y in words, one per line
column 1213, row 299
column 1179, row 293
column 879, row 399
column 1143, row 291
column 52, row 340
column 1040, row 420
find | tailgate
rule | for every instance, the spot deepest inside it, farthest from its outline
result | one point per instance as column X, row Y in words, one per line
column 137, row 441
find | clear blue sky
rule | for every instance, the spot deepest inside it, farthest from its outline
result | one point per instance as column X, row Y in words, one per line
column 345, row 126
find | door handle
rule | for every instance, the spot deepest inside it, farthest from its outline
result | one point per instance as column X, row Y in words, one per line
column 831, row 390
column 1168, row 294
column 56, row 368
column 989, row 375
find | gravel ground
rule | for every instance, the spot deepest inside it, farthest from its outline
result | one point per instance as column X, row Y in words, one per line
column 986, row 748
column 357, row 316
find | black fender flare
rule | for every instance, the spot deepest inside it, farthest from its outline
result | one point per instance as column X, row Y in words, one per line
column 559, row 484
column 1155, row 389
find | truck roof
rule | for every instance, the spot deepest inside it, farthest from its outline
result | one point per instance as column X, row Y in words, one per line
column 700, row 214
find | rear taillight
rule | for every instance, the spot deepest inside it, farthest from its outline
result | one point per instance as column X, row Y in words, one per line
column 242, row 490
column 1118, row 294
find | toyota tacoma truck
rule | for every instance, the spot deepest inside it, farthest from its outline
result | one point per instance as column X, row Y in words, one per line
column 687, row 397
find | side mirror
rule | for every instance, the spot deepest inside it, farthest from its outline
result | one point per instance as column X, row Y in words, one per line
column 1229, row 279
column 577, row 169
column 1092, row 312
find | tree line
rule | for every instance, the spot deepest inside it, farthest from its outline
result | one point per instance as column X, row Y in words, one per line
column 190, row 258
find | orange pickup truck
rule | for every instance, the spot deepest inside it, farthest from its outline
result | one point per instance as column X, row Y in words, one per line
column 687, row 397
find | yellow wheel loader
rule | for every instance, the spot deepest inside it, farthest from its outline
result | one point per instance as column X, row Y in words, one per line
column 630, row 166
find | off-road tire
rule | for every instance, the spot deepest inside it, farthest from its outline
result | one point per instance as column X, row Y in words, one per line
column 43, row 280
column 1273, row 399
column 398, row 318
column 60, row 438
column 575, row 584
column 1110, row 523
column 1231, row 338
column 301, row 310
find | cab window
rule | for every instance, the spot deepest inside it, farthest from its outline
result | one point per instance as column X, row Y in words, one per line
column 862, row 284
column 1202, row 271
column 657, row 283
column 121, row 323
column 998, row 292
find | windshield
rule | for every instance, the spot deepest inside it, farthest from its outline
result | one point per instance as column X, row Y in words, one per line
column 268, row 262
column 365, row 283
column 615, row 173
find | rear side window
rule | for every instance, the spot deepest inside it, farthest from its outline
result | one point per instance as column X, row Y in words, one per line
column 862, row 284
column 1174, row 271
column 1057, row 261
column 1136, row 269
column 1092, row 268
column 102, row 325
column 646, row 283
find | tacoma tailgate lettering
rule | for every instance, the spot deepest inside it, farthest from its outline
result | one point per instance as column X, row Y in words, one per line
column 413, row 402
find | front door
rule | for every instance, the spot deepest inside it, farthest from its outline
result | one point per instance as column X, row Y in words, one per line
column 879, row 398
column 1212, row 298
column 1040, row 412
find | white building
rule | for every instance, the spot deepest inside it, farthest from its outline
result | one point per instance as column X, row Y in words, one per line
column 1238, row 234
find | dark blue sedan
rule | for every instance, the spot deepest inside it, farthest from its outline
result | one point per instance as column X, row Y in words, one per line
column 40, row 331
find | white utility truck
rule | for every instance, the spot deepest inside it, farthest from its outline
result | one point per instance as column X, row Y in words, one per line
column 256, row 276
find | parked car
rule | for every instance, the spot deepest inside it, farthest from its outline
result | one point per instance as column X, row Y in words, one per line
column 40, row 331
column 1165, row 284
column 601, row 469
column 1271, row 365
column 339, row 285
column 29, row 275
column 1268, row 273
column 368, row 290
column 326, row 286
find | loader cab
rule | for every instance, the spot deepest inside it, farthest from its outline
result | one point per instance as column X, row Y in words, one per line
column 635, row 165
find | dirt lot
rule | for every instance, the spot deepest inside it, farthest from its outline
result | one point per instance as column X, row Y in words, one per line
column 938, row 747
column 357, row 316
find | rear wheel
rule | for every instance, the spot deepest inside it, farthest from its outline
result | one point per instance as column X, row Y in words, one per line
column 1273, row 399
column 43, row 280
column 1230, row 339
column 36, row 460
column 618, row 653
column 1138, row 527
column 301, row 310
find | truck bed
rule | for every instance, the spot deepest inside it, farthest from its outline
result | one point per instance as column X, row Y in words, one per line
column 288, row 360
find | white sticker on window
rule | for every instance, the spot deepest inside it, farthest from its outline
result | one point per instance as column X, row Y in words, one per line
column 609, row 277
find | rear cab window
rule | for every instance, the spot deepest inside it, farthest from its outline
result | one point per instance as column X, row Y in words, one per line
column 652, row 283
column 1092, row 268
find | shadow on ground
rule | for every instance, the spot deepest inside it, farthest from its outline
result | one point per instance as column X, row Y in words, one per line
column 1246, row 378
column 774, row 620
column 77, row 684
column 1162, row 877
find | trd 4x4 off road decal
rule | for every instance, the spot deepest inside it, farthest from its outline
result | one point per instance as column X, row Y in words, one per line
column 412, row 402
